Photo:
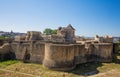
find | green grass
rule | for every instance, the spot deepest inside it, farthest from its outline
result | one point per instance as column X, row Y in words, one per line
column 4, row 37
column 4, row 64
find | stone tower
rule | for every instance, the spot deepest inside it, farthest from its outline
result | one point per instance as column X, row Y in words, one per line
column 67, row 32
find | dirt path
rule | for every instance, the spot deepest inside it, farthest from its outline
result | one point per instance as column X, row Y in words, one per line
column 111, row 73
column 18, row 73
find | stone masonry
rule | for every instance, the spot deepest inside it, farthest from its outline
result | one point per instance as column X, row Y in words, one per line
column 61, row 52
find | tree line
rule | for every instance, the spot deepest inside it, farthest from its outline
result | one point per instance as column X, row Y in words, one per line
column 49, row 31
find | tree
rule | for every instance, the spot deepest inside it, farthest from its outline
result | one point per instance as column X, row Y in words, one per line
column 49, row 31
column 54, row 31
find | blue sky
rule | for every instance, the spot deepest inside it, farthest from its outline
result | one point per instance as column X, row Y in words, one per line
column 88, row 17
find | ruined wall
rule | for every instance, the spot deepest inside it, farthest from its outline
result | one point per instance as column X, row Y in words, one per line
column 108, row 40
column 37, row 54
column 56, row 38
column 67, row 32
column 59, row 56
column 80, row 52
column 19, row 49
column 29, row 51
column 105, row 39
column 5, row 48
column 33, row 35
column 5, row 52
column 103, row 52
column 115, row 47
column 66, row 56
column 93, row 52
column 18, row 38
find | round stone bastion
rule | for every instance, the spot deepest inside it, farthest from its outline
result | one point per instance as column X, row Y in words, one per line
column 59, row 56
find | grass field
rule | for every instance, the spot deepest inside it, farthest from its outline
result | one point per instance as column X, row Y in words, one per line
column 14, row 68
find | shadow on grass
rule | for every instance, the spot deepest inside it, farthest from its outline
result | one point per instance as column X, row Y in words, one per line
column 86, row 69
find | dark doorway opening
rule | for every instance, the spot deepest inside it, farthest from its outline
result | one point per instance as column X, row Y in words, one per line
column 27, row 56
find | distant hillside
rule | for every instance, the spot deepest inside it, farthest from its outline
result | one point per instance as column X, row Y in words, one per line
column 3, row 33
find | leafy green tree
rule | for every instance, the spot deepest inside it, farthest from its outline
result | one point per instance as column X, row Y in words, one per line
column 49, row 31
column 54, row 31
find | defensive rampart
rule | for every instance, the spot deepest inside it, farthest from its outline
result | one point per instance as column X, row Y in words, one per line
column 29, row 51
column 60, row 51
column 59, row 56
column 66, row 56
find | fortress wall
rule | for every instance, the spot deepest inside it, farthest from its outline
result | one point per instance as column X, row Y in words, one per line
column 5, row 48
column 62, row 56
column 5, row 52
column 66, row 56
column 93, row 52
column 89, row 52
column 103, row 52
column 37, row 54
column 115, row 47
column 108, row 40
column 33, row 35
column 80, row 52
column 84, row 53
column 34, row 50
column 19, row 49
column 18, row 38
column 59, row 56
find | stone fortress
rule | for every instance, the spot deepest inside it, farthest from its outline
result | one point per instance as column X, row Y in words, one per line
column 60, row 51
